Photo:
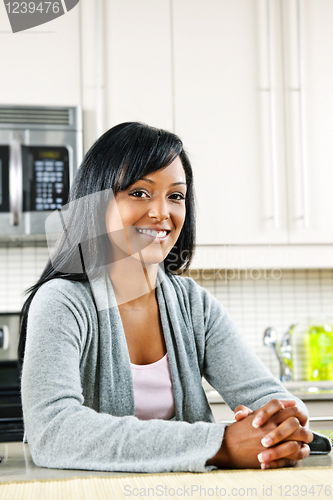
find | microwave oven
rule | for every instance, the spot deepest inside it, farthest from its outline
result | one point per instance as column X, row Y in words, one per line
column 40, row 152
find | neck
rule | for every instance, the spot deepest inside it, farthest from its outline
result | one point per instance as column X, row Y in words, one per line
column 134, row 285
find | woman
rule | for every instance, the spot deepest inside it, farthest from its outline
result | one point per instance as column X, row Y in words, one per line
column 117, row 342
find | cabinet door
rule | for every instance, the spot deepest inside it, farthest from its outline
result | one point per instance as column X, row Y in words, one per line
column 137, row 55
column 222, row 114
column 41, row 66
column 309, row 127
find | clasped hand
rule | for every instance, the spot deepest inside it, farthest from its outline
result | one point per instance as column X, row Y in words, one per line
column 271, row 437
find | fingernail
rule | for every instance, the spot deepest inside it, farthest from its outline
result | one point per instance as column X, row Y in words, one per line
column 240, row 411
column 267, row 441
column 265, row 466
column 263, row 457
column 256, row 422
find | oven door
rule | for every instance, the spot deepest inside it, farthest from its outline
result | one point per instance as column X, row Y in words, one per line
column 11, row 419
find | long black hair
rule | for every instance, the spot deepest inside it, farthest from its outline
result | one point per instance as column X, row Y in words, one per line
column 119, row 158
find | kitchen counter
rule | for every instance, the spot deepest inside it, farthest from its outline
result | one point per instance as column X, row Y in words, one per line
column 17, row 465
column 318, row 397
column 306, row 391
column 21, row 479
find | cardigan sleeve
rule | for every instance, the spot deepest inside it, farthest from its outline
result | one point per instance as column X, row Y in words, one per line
column 64, row 433
column 231, row 367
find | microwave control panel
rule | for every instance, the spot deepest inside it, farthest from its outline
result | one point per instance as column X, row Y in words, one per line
column 47, row 182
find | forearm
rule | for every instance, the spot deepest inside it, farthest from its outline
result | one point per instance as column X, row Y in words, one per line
column 76, row 437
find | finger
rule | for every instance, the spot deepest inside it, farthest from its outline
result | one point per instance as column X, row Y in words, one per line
column 241, row 412
column 304, row 452
column 283, row 450
column 288, row 402
column 276, row 464
column 281, row 432
column 293, row 411
column 302, row 434
column 266, row 412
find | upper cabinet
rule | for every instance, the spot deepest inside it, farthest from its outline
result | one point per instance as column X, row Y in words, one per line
column 308, row 86
column 138, row 63
column 247, row 85
column 41, row 66
column 223, row 97
column 254, row 107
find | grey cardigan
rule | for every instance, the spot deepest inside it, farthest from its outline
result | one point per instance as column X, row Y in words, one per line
column 77, row 388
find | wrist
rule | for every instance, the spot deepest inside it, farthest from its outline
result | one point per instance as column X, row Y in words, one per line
column 221, row 459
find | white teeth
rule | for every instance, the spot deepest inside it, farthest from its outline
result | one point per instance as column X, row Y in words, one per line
column 159, row 234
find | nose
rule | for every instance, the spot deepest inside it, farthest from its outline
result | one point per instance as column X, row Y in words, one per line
column 159, row 209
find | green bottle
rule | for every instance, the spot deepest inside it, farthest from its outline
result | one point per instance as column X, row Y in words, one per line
column 321, row 346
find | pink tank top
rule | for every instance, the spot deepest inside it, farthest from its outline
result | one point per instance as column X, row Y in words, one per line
column 153, row 392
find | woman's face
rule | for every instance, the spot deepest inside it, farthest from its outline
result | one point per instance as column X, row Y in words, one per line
column 146, row 219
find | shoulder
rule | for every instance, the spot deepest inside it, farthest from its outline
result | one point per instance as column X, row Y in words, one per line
column 63, row 308
column 59, row 292
column 190, row 288
column 199, row 300
column 204, row 310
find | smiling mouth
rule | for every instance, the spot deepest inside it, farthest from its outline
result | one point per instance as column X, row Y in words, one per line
column 153, row 234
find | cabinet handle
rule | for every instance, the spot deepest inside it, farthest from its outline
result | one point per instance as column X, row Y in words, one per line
column 320, row 419
column 15, row 179
column 302, row 117
column 272, row 115
column 99, row 66
column 0, row 182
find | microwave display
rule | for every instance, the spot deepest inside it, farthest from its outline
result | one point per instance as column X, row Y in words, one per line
column 45, row 178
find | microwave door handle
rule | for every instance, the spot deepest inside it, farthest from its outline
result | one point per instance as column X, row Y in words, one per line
column 15, row 179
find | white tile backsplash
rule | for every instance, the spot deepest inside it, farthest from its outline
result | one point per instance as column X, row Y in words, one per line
column 20, row 267
column 255, row 300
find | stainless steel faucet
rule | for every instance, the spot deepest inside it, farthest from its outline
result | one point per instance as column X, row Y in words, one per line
column 285, row 350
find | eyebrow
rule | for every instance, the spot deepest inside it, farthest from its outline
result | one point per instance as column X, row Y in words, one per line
column 174, row 184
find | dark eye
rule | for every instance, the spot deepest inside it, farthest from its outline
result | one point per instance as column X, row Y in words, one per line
column 178, row 196
column 138, row 193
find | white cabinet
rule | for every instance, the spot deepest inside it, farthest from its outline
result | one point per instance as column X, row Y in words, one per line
column 237, row 110
column 126, row 64
column 138, row 76
column 321, row 414
column 224, row 76
column 222, row 115
column 41, row 66
column 309, row 127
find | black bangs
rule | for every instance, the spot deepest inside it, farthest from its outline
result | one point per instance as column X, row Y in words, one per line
column 152, row 150
column 122, row 155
